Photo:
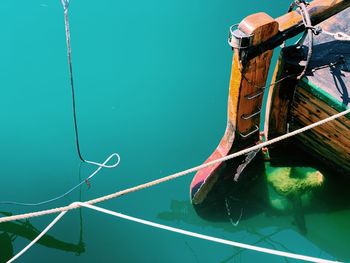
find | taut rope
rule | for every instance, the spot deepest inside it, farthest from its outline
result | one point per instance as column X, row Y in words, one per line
column 175, row 175
column 176, row 230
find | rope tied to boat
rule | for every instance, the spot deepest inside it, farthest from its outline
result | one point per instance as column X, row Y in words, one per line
column 235, row 40
column 178, row 174
column 182, row 173
column 301, row 4
column 63, row 210
column 89, row 204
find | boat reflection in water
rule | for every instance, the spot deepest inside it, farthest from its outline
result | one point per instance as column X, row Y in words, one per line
column 247, row 207
column 9, row 231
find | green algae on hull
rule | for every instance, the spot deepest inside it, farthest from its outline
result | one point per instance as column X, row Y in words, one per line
column 290, row 183
column 293, row 180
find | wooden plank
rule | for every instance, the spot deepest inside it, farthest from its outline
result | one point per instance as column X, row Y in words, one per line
column 271, row 92
column 311, row 113
column 331, row 140
column 327, row 110
column 325, row 133
column 321, row 151
column 245, row 79
column 319, row 11
column 291, row 24
column 263, row 27
column 280, row 96
column 317, row 149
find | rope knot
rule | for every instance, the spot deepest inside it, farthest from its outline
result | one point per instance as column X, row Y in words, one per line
column 316, row 30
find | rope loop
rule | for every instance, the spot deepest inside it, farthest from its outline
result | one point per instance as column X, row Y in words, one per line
column 65, row 4
column 104, row 164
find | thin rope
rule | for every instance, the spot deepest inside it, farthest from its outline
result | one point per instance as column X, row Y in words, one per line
column 70, row 190
column 176, row 230
column 338, row 35
column 308, row 32
column 176, row 175
column 38, row 237
column 65, row 4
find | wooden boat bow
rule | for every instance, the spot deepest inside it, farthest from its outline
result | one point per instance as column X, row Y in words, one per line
column 259, row 34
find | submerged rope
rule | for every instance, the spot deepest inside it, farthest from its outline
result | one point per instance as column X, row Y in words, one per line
column 65, row 4
column 176, row 230
column 175, row 175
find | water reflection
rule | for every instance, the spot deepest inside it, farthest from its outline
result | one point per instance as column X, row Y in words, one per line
column 245, row 207
column 9, row 232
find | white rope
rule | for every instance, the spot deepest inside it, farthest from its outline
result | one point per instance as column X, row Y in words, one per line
column 173, row 176
column 38, row 237
column 88, row 204
column 104, row 164
column 176, row 230
column 338, row 35
column 86, row 180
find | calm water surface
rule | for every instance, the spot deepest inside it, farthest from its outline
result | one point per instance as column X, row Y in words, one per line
column 151, row 84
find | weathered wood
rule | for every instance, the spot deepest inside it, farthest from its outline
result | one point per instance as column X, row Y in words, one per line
column 255, row 75
column 280, row 95
column 291, row 24
column 331, row 140
column 331, row 57
column 332, row 79
column 323, row 109
column 245, row 80
column 319, row 11
column 278, row 101
column 248, row 76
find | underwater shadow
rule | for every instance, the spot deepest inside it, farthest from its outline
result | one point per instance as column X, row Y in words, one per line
column 9, row 231
column 246, row 205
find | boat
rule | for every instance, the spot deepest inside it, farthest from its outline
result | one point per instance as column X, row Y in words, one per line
column 310, row 82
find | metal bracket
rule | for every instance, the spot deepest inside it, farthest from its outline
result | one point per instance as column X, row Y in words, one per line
column 250, row 133
column 247, row 117
column 255, row 95
column 241, row 41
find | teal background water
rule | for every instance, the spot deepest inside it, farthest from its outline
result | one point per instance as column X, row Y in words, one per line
column 151, row 84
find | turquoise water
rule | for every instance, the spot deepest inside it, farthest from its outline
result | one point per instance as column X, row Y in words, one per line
column 151, row 84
